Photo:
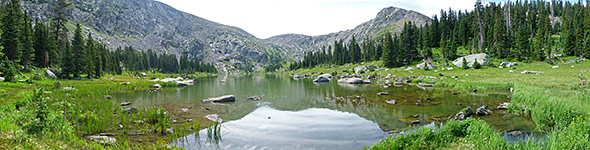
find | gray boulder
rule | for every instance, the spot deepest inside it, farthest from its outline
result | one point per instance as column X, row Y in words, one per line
column 157, row 86
column 482, row 111
column 353, row 81
column 226, row 98
column 516, row 133
column 102, row 139
column 508, row 64
column 503, row 106
column 459, row 116
column 2, row 79
column 481, row 58
column 323, row 78
column 50, row 74
column 360, row 69
column 391, row 102
column 425, row 65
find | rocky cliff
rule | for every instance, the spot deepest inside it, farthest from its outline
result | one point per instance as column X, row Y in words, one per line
column 149, row 24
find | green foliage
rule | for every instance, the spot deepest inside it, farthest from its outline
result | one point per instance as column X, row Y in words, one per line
column 476, row 65
column 464, row 64
column 8, row 69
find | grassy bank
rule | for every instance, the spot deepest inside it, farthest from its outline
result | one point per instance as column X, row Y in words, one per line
column 41, row 114
column 555, row 100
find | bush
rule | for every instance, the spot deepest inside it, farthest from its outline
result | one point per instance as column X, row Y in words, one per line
column 476, row 65
column 8, row 69
column 465, row 65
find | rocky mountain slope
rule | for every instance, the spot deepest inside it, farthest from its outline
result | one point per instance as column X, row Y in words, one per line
column 149, row 24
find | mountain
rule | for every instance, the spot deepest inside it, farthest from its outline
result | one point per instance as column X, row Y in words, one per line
column 149, row 24
column 389, row 19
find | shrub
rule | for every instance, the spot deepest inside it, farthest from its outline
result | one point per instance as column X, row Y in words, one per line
column 476, row 65
column 465, row 65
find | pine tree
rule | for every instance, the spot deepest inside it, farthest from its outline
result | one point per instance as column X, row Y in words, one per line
column 388, row 51
column 90, row 57
column 60, row 32
column 11, row 26
column 27, row 42
column 41, row 44
column 79, row 51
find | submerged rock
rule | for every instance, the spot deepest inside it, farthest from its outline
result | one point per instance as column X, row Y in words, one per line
column 503, row 106
column 226, row 98
column 131, row 109
column 414, row 122
column 354, row 81
column 254, row 98
column 214, row 118
column 102, row 139
column 391, row 102
column 125, row 103
column 516, row 133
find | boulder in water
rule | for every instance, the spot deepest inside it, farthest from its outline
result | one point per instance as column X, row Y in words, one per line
column 214, row 118
column 226, row 98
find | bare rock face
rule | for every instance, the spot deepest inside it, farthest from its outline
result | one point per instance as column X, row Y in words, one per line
column 221, row 99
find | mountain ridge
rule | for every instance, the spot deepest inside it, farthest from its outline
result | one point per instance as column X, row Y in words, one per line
column 150, row 24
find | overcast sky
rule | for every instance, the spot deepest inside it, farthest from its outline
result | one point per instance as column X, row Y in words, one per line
column 267, row 18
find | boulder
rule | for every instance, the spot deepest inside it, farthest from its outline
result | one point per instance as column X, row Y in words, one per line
column 351, row 81
column 51, row 74
column 125, row 103
column 414, row 122
column 226, row 98
column 555, row 67
column 425, row 65
column 297, row 76
column 481, row 58
column 425, row 85
column 508, row 64
column 516, row 133
column 360, row 69
column 2, row 78
column 125, row 83
column 108, row 97
column 503, row 106
column 409, row 69
column 468, row 112
column 170, row 131
column 131, row 109
column 102, row 139
column 382, row 93
column 323, row 78
column 531, row 72
column 157, row 86
column 391, row 102
column 214, row 118
column 254, row 98
column 68, row 88
column 450, row 69
column 459, row 116
column 398, row 84
column 482, row 111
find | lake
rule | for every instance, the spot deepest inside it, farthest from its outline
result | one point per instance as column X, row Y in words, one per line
column 300, row 114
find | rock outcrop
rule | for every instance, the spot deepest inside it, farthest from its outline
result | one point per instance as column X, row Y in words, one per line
column 481, row 58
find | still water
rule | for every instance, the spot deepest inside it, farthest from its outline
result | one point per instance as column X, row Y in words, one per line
column 300, row 114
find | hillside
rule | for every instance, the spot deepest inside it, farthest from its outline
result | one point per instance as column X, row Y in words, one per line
column 148, row 24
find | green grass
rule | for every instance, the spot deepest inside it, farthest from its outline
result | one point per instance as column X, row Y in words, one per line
column 39, row 114
column 554, row 99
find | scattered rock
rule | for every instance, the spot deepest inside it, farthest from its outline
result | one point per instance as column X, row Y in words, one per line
column 2, row 78
column 51, row 74
column 106, row 134
column 360, row 69
column 483, row 111
column 226, row 98
column 189, row 120
column 503, row 106
column 102, row 139
column 481, row 58
column 409, row 69
column 425, row 85
column 131, row 110
column 205, row 108
column 214, row 118
column 68, row 88
column 531, row 72
column 170, row 131
column 414, row 122
column 125, row 103
column 382, row 93
column 450, row 69
column 390, row 102
column 321, row 79
column 474, row 90
column 516, row 133
column 468, row 112
column 508, row 64
column 125, row 83
column 456, row 93
column 428, row 99
column 415, row 116
column 555, row 67
column 108, row 97
column 254, row 98
column 157, row 86
column 297, row 77
column 511, row 71
column 398, row 84
column 459, row 116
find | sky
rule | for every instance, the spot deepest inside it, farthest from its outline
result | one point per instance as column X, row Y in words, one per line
column 267, row 18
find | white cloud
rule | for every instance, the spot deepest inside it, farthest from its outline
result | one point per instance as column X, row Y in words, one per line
column 266, row 18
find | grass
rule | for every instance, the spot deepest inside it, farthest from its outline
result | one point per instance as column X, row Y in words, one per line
column 555, row 99
column 40, row 114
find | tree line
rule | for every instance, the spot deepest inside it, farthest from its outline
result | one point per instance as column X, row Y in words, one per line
column 25, row 43
column 522, row 30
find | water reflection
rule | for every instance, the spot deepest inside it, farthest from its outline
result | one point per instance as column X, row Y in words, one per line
column 268, row 128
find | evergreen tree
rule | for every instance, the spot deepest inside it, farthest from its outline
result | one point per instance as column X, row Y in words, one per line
column 90, row 57
column 27, row 42
column 11, row 27
column 60, row 32
column 388, row 51
column 41, row 44
column 79, row 51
